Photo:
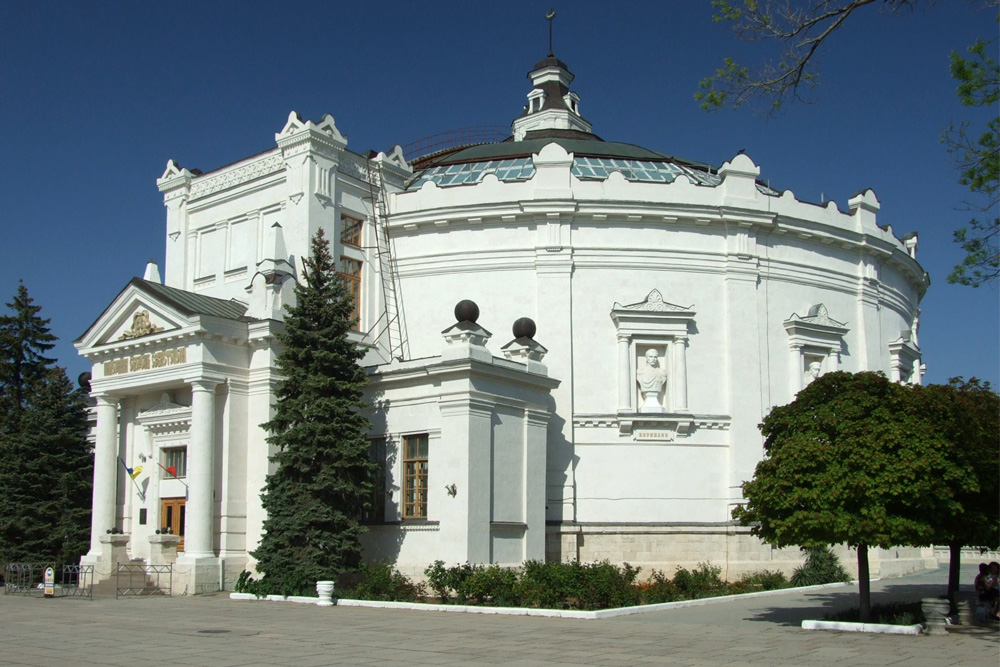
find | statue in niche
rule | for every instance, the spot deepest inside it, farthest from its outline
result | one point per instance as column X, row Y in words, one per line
column 813, row 370
column 651, row 377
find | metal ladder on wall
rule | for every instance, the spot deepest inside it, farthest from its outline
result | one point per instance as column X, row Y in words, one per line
column 391, row 320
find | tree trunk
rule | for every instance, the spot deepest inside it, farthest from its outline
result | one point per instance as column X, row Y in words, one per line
column 864, row 584
column 954, row 566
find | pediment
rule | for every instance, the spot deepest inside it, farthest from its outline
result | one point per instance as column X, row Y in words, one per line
column 653, row 315
column 653, row 303
column 133, row 316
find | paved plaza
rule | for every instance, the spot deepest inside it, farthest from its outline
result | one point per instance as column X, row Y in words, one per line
column 214, row 630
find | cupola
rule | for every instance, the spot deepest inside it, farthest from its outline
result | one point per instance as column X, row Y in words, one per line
column 551, row 104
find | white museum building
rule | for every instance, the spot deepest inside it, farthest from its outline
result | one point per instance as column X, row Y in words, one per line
column 628, row 320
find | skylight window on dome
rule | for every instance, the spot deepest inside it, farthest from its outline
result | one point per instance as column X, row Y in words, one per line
column 515, row 169
column 595, row 168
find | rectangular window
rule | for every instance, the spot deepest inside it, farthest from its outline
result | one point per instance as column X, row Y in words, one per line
column 376, row 509
column 350, row 271
column 350, row 231
column 175, row 462
column 415, row 477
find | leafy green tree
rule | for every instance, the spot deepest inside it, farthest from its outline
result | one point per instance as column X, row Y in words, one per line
column 853, row 459
column 968, row 415
column 315, row 498
column 46, row 463
column 799, row 28
column 978, row 160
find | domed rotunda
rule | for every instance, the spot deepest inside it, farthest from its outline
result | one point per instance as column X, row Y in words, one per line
column 651, row 310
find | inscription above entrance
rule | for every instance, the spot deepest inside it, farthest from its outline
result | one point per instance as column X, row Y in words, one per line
column 142, row 362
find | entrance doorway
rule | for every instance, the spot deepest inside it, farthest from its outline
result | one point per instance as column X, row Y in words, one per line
column 172, row 517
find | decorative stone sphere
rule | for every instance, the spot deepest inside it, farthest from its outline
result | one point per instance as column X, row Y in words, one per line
column 524, row 327
column 84, row 380
column 466, row 311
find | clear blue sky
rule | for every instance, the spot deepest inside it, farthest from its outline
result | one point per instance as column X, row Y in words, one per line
column 95, row 97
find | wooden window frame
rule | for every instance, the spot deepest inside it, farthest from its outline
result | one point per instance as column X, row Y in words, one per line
column 352, row 280
column 415, row 469
column 351, row 230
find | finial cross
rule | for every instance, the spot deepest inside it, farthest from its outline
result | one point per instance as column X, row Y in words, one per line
column 551, row 15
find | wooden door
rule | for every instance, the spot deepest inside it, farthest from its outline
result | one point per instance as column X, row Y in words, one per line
column 172, row 517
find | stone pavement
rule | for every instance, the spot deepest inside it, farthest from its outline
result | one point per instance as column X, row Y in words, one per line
column 214, row 630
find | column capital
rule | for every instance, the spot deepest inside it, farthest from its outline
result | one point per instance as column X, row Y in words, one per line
column 204, row 384
column 106, row 399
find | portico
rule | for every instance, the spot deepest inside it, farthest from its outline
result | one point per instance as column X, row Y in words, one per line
column 165, row 369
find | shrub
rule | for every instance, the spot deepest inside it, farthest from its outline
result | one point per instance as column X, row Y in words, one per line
column 821, row 567
column 382, row 581
column 437, row 576
column 658, row 589
column 765, row 580
column 603, row 585
column 493, row 586
column 704, row 582
column 549, row 585
column 247, row 584
column 449, row 581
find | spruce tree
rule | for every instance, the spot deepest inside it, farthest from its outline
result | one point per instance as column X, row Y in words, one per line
column 46, row 463
column 322, row 482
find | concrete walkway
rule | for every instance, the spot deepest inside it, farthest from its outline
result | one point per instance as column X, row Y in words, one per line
column 213, row 630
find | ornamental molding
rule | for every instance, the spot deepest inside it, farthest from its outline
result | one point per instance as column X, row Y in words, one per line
column 354, row 166
column 166, row 417
column 237, row 176
column 665, row 428
column 815, row 329
column 654, row 303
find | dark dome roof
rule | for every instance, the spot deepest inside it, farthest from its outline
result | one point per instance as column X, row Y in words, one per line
column 578, row 146
column 550, row 61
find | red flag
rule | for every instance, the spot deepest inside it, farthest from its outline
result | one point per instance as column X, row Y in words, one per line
column 172, row 470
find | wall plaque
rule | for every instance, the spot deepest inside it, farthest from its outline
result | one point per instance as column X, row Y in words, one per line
column 142, row 362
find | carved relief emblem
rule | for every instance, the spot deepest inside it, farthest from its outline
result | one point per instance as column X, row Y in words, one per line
column 654, row 302
column 141, row 326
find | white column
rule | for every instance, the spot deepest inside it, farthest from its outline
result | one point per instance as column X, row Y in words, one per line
column 680, row 379
column 105, row 469
column 625, row 389
column 200, row 471
column 833, row 361
column 894, row 374
column 797, row 368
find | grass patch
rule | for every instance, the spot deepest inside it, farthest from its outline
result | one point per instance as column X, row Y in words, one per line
column 890, row 613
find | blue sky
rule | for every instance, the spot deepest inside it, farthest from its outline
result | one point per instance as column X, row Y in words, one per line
column 95, row 97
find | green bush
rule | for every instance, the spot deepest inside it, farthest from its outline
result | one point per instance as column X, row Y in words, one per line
column 247, row 584
column 821, row 567
column 704, row 582
column 658, row 589
column 765, row 580
column 603, row 586
column 452, row 581
column 437, row 576
column 493, row 586
column 549, row 585
column 382, row 581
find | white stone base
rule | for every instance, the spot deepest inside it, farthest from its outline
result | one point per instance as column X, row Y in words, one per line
column 667, row 547
column 193, row 575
